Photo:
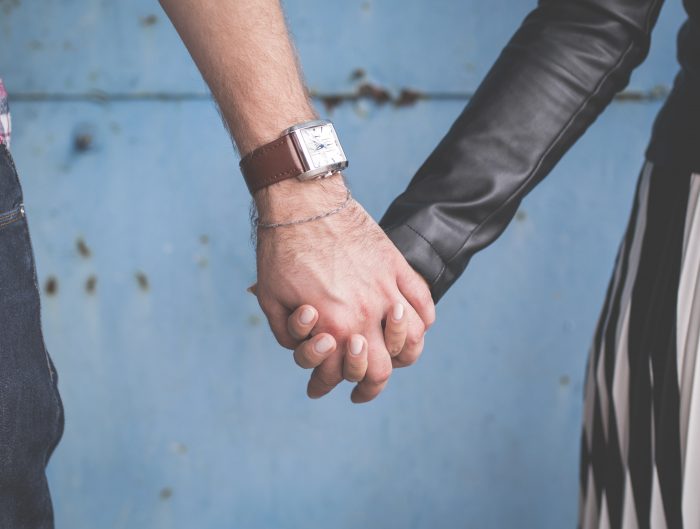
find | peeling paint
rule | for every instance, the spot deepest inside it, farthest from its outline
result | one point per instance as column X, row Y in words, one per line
column 142, row 280
column 331, row 101
column 83, row 248
column 408, row 97
column 357, row 74
column 378, row 94
column 51, row 286
column 149, row 20
column 90, row 284
column 82, row 142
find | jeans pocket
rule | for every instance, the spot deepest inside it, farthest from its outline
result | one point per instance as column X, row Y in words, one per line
column 11, row 216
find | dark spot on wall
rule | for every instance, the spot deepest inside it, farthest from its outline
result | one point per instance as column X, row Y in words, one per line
column 357, row 74
column 366, row 6
column 254, row 320
column 180, row 448
column 90, row 284
column 82, row 141
column 149, row 20
column 202, row 261
column 331, row 101
column 35, row 45
column 564, row 380
column 165, row 493
column 83, row 248
column 204, row 239
column 378, row 94
column 408, row 97
column 51, row 286
column 520, row 215
column 142, row 280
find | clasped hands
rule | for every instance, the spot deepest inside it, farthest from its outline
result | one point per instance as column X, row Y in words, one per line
column 338, row 292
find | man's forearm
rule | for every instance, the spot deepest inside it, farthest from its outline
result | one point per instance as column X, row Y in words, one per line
column 243, row 50
column 246, row 57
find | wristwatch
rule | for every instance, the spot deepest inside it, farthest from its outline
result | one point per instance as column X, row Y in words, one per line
column 306, row 151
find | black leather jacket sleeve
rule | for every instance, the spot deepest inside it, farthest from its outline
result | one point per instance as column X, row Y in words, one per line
column 558, row 72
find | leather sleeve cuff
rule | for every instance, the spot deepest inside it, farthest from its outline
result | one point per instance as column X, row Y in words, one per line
column 422, row 256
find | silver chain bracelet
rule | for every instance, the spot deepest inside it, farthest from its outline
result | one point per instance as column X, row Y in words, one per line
column 341, row 207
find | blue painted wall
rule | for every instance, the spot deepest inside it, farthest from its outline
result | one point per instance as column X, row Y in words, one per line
column 181, row 409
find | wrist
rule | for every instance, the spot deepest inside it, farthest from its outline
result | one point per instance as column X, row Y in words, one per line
column 257, row 131
column 292, row 198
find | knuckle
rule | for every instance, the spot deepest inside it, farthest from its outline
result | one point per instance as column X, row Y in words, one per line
column 304, row 359
column 409, row 359
column 380, row 375
column 327, row 380
column 425, row 299
column 353, row 375
column 413, row 341
column 394, row 348
column 336, row 329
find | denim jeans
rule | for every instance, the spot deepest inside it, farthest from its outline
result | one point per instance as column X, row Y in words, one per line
column 31, row 414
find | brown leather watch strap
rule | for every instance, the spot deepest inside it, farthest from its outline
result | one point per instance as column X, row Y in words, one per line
column 271, row 163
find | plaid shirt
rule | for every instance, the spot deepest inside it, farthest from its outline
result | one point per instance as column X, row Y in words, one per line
column 5, row 121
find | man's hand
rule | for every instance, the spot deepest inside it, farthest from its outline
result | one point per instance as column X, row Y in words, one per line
column 346, row 268
column 313, row 351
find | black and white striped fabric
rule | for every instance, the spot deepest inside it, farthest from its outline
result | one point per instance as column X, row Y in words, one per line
column 640, row 449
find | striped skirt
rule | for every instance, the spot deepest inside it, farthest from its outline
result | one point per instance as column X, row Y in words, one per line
column 640, row 446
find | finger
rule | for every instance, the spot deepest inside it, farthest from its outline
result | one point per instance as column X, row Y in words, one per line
column 302, row 320
column 311, row 353
column 413, row 345
column 415, row 289
column 277, row 317
column 395, row 329
column 410, row 353
column 326, row 376
column 378, row 370
column 355, row 360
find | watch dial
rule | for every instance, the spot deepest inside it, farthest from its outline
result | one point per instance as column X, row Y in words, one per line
column 322, row 146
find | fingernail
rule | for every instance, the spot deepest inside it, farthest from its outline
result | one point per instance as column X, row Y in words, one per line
column 398, row 312
column 324, row 345
column 306, row 316
column 356, row 345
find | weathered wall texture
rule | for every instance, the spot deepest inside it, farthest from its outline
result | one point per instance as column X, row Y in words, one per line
column 182, row 411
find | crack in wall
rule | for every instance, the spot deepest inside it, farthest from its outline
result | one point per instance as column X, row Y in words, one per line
column 379, row 95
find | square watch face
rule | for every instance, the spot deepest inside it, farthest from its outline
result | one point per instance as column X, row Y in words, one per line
column 322, row 146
